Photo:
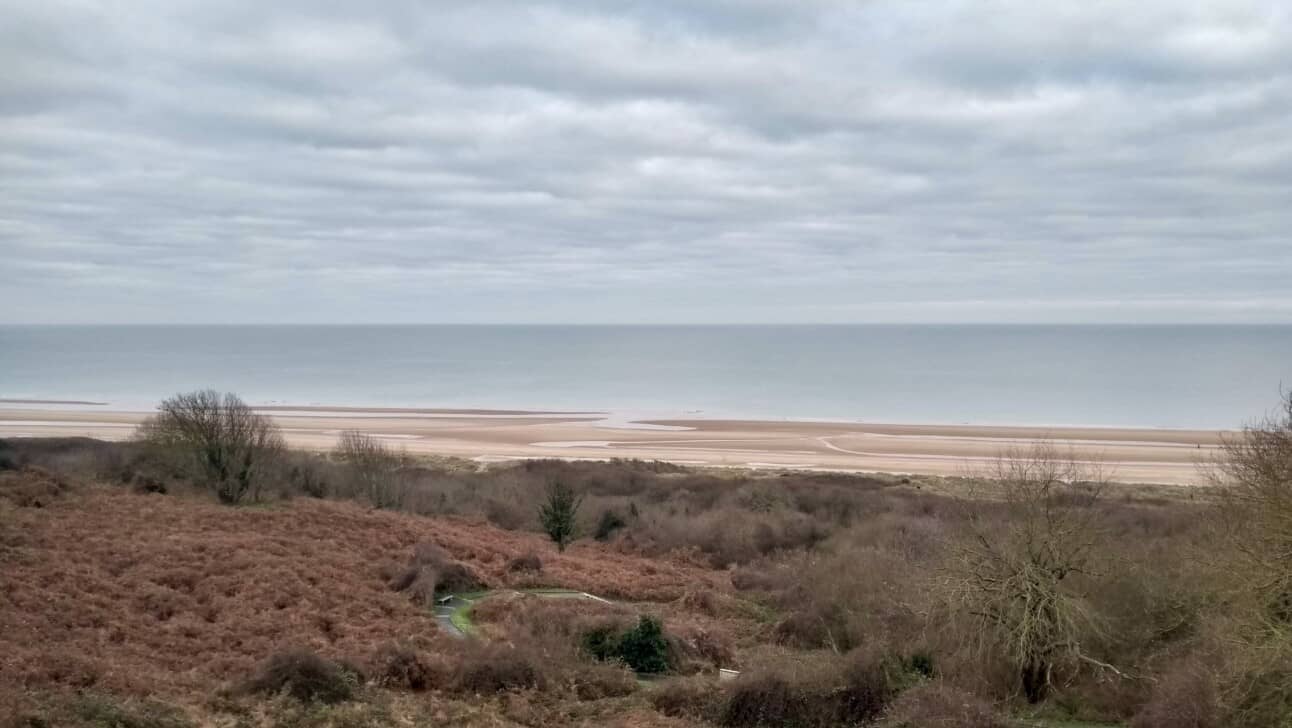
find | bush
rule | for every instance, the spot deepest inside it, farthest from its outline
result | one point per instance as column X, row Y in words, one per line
column 1260, row 695
column 431, row 570
column 642, row 648
column 559, row 513
column 870, row 682
column 525, row 562
column 775, row 699
column 495, row 668
column 936, row 705
column 694, row 697
column 852, row 691
column 457, row 578
column 303, row 675
column 372, row 469
column 609, row 522
column 1184, row 698
column 400, row 666
column 100, row 711
column 595, row 682
column 693, row 648
column 306, row 475
column 602, row 642
column 221, row 441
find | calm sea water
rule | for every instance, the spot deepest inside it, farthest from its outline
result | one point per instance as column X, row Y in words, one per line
column 1151, row 376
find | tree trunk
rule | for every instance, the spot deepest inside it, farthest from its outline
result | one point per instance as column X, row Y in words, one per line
column 1036, row 681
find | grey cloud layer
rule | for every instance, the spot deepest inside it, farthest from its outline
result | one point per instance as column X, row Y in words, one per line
column 673, row 161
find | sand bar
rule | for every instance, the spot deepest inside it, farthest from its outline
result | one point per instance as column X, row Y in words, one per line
column 1130, row 455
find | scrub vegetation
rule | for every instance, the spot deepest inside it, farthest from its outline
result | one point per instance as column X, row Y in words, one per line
column 200, row 574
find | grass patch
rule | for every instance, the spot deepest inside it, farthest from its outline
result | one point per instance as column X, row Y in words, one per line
column 461, row 618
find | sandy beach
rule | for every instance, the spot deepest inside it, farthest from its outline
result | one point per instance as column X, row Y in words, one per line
column 1130, row 455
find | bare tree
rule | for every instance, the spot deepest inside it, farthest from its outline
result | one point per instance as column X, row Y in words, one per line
column 224, row 443
column 373, row 468
column 1254, row 472
column 559, row 513
column 1031, row 530
column 1255, row 475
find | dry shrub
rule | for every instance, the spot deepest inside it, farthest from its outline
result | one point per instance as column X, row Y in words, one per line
column 493, row 668
column 552, row 623
column 421, row 591
column 426, row 553
column 430, row 570
column 1258, row 692
column 773, row 698
column 370, row 470
column 851, row 690
column 727, row 535
column 595, row 682
column 696, row 648
column 400, row 666
column 753, row 578
column 529, row 562
column 32, row 487
column 871, row 680
column 704, row 602
column 856, row 596
column 688, row 697
column 937, row 705
column 1184, row 698
column 92, row 710
column 160, row 604
column 457, row 578
column 303, row 675
column 69, row 670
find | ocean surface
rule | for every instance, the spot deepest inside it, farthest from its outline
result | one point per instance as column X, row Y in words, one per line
column 1143, row 376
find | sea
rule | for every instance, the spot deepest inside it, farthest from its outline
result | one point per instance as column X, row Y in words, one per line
column 1154, row 376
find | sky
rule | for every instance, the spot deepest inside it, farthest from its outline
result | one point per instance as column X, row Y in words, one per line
column 662, row 161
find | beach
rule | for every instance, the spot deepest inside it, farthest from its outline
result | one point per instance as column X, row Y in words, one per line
column 1134, row 455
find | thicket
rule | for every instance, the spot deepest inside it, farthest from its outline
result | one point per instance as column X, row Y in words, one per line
column 1037, row 581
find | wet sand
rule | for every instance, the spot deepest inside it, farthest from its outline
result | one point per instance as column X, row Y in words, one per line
column 1127, row 455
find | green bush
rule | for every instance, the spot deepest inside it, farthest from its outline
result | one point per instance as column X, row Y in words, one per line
column 642, row 648
column 920, row 663
column 602, row 642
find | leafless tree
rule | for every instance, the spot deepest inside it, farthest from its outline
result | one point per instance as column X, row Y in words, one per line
column 223, row 443
column 1254, row 473
column 372, row 468
column 1031, row 529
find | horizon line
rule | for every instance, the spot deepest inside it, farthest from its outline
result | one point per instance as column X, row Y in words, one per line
column 642, row 324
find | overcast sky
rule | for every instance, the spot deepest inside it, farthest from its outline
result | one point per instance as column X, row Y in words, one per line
column 654, row 161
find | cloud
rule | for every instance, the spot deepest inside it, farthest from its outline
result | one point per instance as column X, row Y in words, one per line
column 658, row 161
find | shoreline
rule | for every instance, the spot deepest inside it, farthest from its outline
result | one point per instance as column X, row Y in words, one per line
column 650, row 417
column 1139, row 455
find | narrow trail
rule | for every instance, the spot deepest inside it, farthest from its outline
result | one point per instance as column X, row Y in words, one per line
column 455, row 605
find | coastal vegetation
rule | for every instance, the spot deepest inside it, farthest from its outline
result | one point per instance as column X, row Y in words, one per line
column 559, row 514
column 200, row 574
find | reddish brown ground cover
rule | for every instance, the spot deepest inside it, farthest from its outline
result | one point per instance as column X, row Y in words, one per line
column 175, row 596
